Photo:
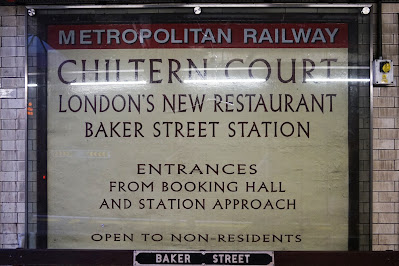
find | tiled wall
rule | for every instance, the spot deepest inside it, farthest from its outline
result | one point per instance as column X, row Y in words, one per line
column 386, row 143
column 12, row 127
column 13, row 134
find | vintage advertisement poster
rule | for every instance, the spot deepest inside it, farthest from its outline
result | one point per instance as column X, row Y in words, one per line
column 198, row 137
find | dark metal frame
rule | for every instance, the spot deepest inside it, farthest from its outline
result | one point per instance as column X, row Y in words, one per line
column 125, row 257
column 353, row 134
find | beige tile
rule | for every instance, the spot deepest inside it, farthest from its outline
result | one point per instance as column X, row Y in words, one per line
column 383, row 186
column 388, row 197
column 388, row 217
column 388, row 239
column 383, row 207
column 383, row 229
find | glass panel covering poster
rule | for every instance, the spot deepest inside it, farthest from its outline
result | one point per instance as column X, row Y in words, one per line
column 218, row 136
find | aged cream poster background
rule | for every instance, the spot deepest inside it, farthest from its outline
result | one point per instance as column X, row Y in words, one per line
column 313, row 171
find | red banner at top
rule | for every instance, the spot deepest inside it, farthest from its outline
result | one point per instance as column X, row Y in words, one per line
column 223, row 35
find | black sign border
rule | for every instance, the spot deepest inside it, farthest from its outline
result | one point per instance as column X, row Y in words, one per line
column 47, row 19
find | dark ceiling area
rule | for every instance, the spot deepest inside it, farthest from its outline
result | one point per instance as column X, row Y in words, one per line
column 110, row 2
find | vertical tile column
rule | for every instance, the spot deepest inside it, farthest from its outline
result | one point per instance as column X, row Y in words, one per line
column 12, row 127
column 386, row 143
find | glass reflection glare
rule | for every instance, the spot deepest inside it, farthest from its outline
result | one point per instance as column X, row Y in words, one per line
column 107, row 83
column 224, row 80
column 338, row 80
